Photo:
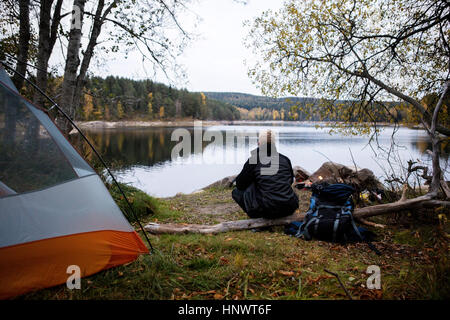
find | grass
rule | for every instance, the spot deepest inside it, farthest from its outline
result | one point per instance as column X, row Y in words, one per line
column 265, row 265
column 142, row 204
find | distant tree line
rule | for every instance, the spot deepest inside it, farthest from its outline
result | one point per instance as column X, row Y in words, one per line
column 115, row 98
column 250, row 101
column 253, row 107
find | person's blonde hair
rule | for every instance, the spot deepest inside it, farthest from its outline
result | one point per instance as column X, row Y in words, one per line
column 266, row 136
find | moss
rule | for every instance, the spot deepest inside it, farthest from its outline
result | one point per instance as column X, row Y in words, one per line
column 143, row 205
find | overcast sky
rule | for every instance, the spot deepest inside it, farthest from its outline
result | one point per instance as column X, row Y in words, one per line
column 214, row 61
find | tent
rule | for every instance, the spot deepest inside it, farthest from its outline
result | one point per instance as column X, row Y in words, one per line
column 55, row 211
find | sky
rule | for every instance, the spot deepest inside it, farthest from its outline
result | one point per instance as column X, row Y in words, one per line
column 215, row 60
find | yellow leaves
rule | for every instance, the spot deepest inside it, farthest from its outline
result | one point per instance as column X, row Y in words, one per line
column 150, row 103
column 203, row 97
column 88, row 106
column 442, row 217
column 275, row 115
column 120, row 112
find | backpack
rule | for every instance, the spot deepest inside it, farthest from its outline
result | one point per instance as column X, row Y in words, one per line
column 330, row 216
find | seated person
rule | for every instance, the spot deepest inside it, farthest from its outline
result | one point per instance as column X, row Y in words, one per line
column 263, row 188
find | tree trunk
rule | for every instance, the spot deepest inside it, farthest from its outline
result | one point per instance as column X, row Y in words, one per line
column 72, row 63
column 43, row 53
column 47, row 38
column 48, row 28
column 99, row 19
column 24, row 43
column 437, row 174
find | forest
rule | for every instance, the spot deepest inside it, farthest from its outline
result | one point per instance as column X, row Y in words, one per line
column 116, row 98
column 253, row 107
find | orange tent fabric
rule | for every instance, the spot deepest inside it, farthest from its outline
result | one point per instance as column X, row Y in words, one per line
column 43, row 263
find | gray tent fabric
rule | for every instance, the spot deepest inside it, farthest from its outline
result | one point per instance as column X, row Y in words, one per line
column 33, row 153
column 59, row 211
column 5, row 190
column 7, row 80
column 79, row 165
column 29, row 157
column 43, row 179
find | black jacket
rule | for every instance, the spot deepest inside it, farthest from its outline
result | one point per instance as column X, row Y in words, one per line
column 270, row 195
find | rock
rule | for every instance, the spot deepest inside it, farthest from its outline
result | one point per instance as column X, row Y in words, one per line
column 222, row 183
column 300, row 173
column 332, row 172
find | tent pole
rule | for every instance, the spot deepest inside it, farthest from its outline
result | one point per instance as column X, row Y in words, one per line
column 55, row 105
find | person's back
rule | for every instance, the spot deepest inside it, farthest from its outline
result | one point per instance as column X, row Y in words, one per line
column 263, row 188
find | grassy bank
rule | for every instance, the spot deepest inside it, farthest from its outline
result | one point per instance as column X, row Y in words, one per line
column 267, row 265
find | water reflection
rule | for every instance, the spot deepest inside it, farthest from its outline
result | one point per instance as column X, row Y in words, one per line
column 142, row 156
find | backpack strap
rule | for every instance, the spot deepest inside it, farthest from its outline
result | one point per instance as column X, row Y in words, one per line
column 316, row 226
column 336, row 225
column 303, row 230
column 327, row 206
column 355, row 227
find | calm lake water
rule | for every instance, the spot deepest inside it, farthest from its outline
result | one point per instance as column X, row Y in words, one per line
column 142, row 156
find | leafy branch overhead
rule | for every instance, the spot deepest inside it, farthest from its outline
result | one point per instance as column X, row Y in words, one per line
column 364, row 51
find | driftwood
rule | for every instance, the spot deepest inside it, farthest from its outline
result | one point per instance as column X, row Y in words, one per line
column 426, row 201
column 246, row 224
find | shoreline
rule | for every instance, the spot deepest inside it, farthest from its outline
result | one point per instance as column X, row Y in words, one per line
column 103, row 124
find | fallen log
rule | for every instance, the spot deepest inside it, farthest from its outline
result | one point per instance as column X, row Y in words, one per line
column 173, row 228
column 426, row 201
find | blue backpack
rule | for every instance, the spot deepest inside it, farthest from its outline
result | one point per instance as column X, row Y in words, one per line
column 330, row 216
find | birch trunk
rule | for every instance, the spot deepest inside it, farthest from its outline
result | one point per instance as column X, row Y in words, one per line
column 89, row 52
column 72, row 64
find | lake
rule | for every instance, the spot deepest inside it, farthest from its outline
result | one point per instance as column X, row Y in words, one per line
column 142, row 156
